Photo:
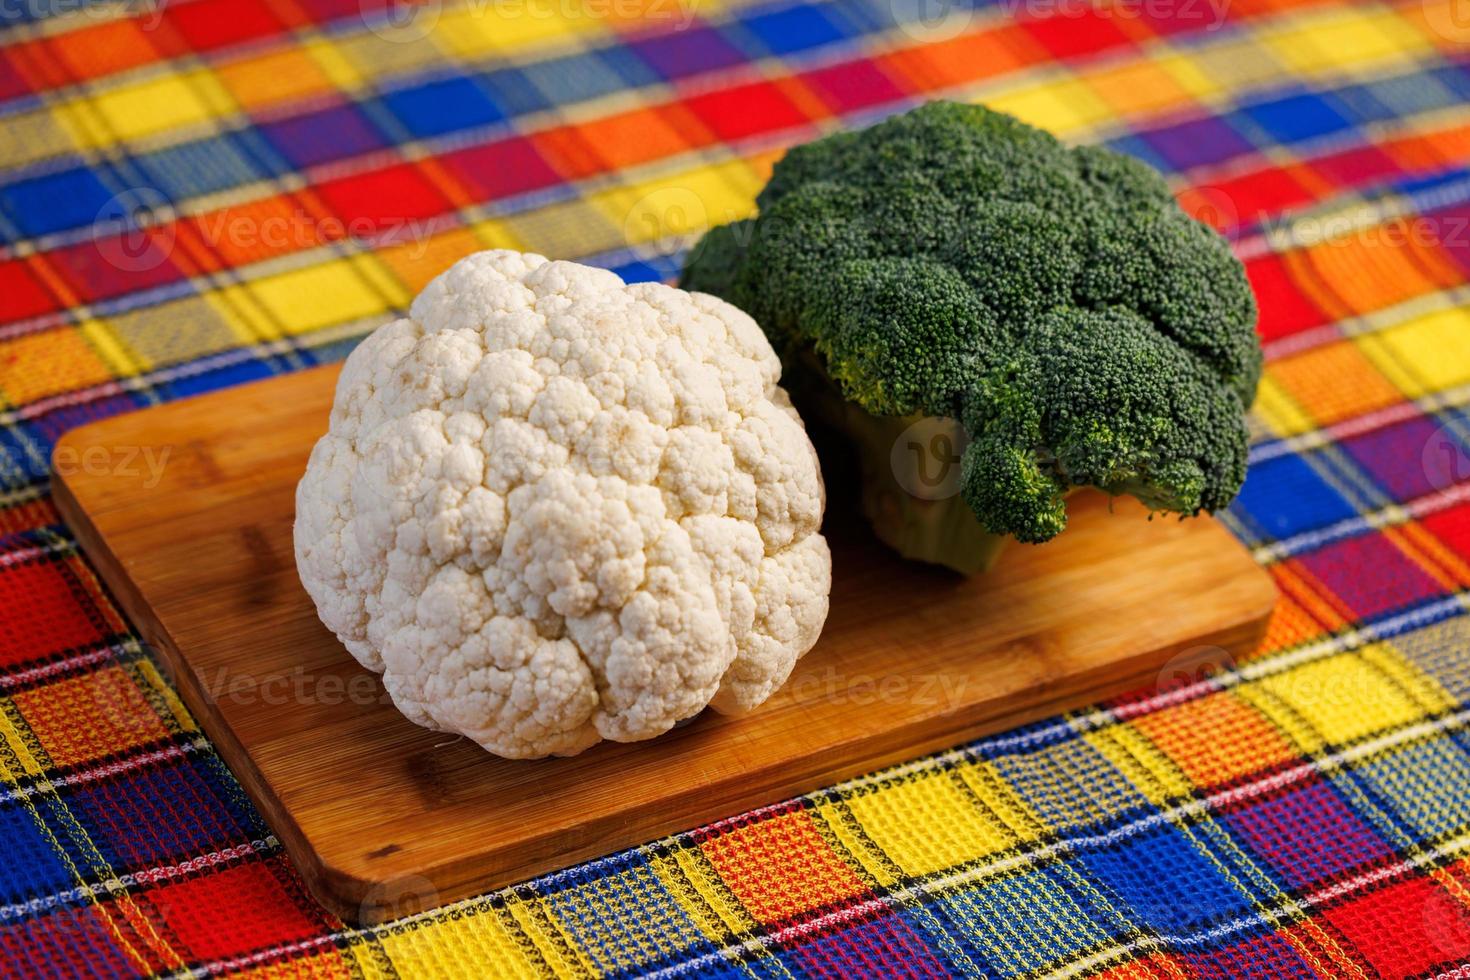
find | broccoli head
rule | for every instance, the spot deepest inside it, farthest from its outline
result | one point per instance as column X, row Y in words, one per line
column 1055, row 303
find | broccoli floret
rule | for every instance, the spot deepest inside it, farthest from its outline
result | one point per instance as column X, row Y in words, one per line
column 1073, row 323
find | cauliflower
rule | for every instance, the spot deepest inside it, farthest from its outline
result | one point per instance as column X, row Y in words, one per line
column 552, row 508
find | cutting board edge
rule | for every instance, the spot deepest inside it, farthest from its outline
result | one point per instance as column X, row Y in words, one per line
column 226, row 742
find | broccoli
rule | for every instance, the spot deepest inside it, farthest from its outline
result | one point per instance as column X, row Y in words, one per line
column 1053, row 307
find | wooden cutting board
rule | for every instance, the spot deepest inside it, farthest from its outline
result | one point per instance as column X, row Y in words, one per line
column 186, row 509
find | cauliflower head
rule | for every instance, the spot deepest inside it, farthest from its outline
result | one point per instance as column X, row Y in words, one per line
column 553, row 508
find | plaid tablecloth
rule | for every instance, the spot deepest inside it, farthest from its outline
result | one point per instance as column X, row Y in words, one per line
column 198, row 193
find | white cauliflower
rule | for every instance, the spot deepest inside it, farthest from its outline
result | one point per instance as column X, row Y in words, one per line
column 553, row 508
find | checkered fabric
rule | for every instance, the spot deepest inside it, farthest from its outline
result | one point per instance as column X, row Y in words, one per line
column 204, row 192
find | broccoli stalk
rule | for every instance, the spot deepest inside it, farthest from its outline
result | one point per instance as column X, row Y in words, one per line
column 1054, row 304
column 910, row 468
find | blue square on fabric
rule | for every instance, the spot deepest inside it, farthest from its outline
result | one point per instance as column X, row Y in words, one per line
column 859, row 17
column 1285, row 496
column 210, row 165
column 1422, row 784
column 1197, row 142
column 638, row 272
column 444, row 106
column 328, row 134
column 587, row 75
column 32, row 867
column 1408, row 95
column 156, row 815
column 55, row 202
column 513, row 91
column 1299, row 117
column 1051, row 918
column 622, row 919
column 681, row 53
column 214, row 379
column 796, row 29
column 1456, row 78
column 24, row 458
column 1165, row 881
column 1363, row 102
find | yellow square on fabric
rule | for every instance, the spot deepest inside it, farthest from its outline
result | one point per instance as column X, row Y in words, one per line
column 1425, row 355
column 1345, row 39
column 144, row 108
column 325, row 295
column 844, row 827
column 933, row 822
column 1333, row 700
column 513, row 25
column 454, row 946
column 494, row 233
column 681, row 204
column 1064, row 107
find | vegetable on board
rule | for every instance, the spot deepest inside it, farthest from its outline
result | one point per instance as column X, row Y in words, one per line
column 1052, row 308
column 553, row 508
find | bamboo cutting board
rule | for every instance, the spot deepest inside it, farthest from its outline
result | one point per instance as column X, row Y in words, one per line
column 385, row 818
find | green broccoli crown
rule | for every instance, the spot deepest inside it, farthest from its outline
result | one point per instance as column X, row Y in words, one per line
column 954, row 261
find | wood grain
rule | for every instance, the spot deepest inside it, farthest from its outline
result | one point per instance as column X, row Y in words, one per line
column 383, row 817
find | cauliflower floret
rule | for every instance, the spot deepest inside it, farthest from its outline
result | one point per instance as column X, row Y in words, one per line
column 552, row 508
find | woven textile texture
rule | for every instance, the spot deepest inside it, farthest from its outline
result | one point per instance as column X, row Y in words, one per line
column 197, row 193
